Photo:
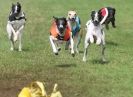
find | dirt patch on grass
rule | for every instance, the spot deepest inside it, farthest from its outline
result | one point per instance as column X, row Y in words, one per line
column 11, row 88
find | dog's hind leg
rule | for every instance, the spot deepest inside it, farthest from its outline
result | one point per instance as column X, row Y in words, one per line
column 106, row 25
column 67, row 45
column 53, row 45
column 77, row 43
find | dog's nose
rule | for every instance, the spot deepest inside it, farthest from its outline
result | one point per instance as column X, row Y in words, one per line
column 73, row 18
column 96, row 23
column 60, row 26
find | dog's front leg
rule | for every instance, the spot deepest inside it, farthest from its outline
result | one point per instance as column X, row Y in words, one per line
column 12, row 29
column 20, row 42
column 103, row 55
column 72, row 45
column 18, row 32
column 113, row 22
column 103, row 46
column 86, row 44
column 10, row 36
column 12, row 45
column 58, row 45
column 52, row 39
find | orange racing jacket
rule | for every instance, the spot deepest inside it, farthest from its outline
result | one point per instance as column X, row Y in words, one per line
column 54, row 32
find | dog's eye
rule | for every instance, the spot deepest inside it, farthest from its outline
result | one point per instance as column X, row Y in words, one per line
column 69, row 14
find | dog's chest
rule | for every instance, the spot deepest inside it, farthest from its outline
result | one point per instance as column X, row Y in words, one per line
column 18, row 23
column 94, row 30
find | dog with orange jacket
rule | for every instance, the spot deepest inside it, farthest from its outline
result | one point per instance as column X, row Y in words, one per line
column 60, row 32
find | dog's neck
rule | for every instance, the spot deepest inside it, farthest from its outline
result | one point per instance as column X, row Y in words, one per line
column 19, row 15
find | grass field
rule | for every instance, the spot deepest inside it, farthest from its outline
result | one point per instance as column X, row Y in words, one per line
column 75, row 78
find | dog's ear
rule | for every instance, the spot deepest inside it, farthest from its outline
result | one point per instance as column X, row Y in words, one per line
column 55, row 18
column 18, row 3
column 75, row 13
column 92, row 14
column 65, row 20
column 68, row 13
column 13, row 4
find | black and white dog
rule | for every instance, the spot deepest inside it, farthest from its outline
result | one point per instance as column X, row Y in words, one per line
column 15, row 25
column 107, row 15
column 94, row 33
column 60, row 32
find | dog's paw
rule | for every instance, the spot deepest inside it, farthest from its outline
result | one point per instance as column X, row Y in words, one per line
column 104, row 60
column 20, row 50
column 77, row 51
column 59, row 49
column 98, row 42
column 73, row 54
column 56, row 53
column 114, row 26
column 11, row 49
column 84, row 59
column 15, row 38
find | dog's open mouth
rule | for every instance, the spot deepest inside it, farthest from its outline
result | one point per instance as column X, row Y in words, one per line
column 72, row 19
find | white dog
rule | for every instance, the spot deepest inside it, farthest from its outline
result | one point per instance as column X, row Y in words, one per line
column 75, row 25
column 94, row 33
column 15, row 25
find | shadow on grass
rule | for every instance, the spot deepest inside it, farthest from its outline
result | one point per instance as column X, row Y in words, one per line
column 100, row 62
column 23, row 50
column 65, row 65
column 26, row 49
column 111, row 43
column 81, row 52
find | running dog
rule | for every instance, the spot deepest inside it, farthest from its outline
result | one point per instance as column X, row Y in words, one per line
column 107, row 15
column 15, row 25
column 75, row 25
column 94, row 33
column 60, row 32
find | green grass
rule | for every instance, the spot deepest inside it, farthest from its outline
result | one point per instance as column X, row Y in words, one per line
column 75, row 78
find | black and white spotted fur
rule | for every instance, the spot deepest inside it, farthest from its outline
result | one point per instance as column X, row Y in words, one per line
column 95, row 34
column 15, row 25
